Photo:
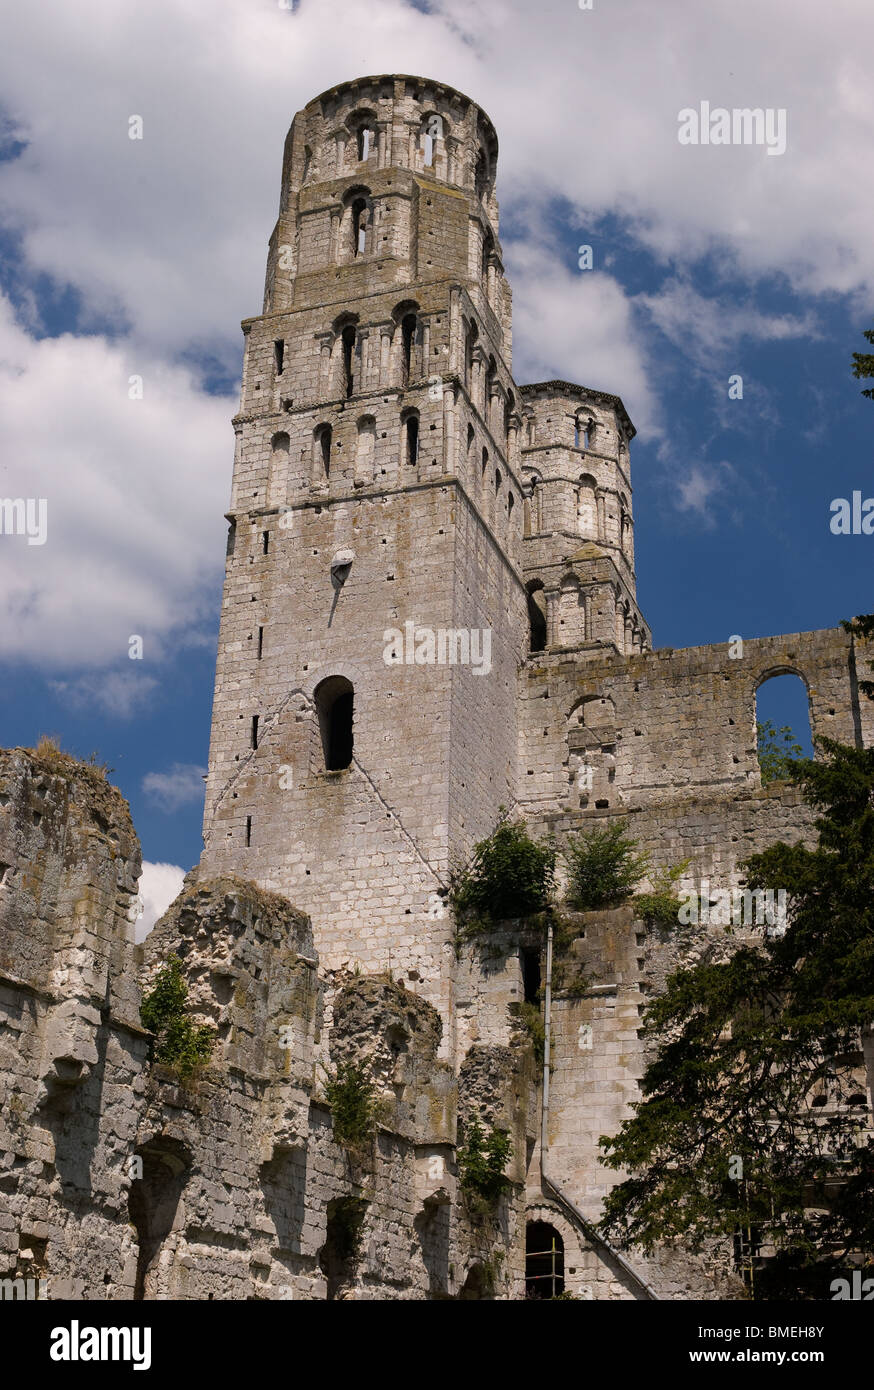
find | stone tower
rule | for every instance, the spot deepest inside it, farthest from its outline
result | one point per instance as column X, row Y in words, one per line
column 375, row 616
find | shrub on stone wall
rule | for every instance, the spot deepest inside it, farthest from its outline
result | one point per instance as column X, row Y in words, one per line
column 179, row 1043
column 510, row 876
column 351, row 1094
column 603, row 867
column 661, row 905
column 481, row 1161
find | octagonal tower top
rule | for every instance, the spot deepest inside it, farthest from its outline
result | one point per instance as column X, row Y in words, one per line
column 395, row 120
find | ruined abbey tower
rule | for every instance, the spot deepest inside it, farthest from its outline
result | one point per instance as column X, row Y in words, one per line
column 429, row 614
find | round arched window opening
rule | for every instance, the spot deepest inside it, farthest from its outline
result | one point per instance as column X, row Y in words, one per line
column 334, row 700
column 544, row 1261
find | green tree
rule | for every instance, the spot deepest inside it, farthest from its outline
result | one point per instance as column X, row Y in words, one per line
column 863, row 364
column 776, row 751
column 731, row 1132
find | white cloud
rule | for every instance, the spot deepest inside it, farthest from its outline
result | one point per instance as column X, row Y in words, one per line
column 159, row 885
column 170, row 231
column 702, row 483
column 709, row 326
column 135, row 492
column 180, row 786
column 165, row 238
column 576, row 326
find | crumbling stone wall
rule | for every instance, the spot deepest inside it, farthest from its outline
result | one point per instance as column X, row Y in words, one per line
column 121, row 1179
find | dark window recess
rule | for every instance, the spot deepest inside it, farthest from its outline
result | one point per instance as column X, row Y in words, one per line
column 248, row 830
column 265, row 541
column 348, row 356
column 536, row 621
column 408, row 334
column 279, row 355
column 531, row 976
column 412, row 431
column 544, row 1261
column 335, row 706
column 254, row 730
column 260, row 643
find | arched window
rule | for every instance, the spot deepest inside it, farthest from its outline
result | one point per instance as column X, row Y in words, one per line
column 583, row 432
column 322, row 452
column 334, row 699
column 359, row 227
column 511, row 502
column 432, row 131
column 408, row 338
column 485, row 464
column 410, row 437
column 470, row 439
column 782, row 718
column 544, row 1261
column 536, row 615
column 498, row 480
column 587, row 510
column 365, row 449
column 348, row 349
column 365, row 140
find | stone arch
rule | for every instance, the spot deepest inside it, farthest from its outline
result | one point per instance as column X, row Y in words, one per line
column 407, row 341
column 785, row 705
column 433, row 135
column 280, row 445
column 344, row 354
column 365, row 450
column 356, row 223
column 322, row 444
column 153, row 1205
column 587, row 506
column 544, row 1260
column 571, row 626
column 361, row 125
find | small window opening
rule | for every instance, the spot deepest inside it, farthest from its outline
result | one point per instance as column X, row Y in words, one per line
column 335, row 707
column 255, row 730
column 359, row 227
column 279, row 355
column 536, row 618
column 248, row 830
column 530, row 976
column 408, row 334
column 260, row 643
column 323, row 442
column 265, row 542
column 365, row 142
column 412, row 433
column 348, row 357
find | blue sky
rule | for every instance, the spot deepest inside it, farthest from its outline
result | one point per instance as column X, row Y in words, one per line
column 124, row 259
